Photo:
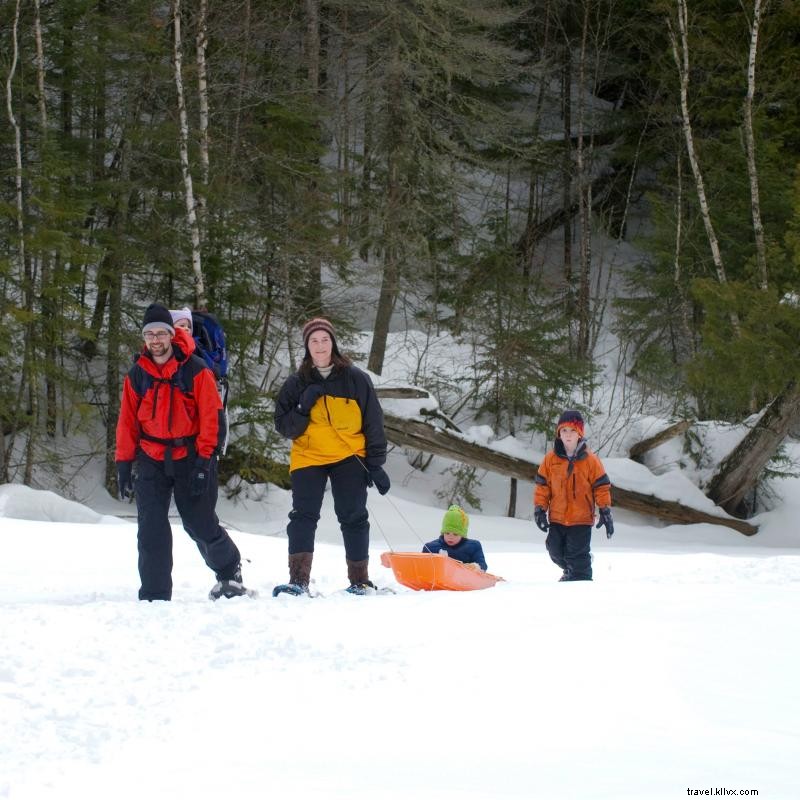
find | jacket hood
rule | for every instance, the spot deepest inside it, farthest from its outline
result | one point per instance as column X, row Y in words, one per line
column 580, row 450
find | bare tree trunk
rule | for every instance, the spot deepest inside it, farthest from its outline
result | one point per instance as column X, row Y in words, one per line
column 584, row 202
column 37, row 29
column 313, row 48
column 680, row 53
column 201, row 43
column 752, row 172
column 245, row 60
column 28, row 373
column 18, row 193
column 191, row 214
column 687, row 330
column 566, row 103
column 390, row 283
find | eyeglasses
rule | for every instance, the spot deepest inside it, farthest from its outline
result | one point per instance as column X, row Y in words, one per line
column 149, row 337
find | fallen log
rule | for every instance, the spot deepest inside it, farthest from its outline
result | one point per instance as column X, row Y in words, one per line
column 420, row 436
column 640, row 448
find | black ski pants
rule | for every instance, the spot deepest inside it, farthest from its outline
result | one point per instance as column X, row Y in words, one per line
column 349, row 488
column 154, row 490
column 569, row 547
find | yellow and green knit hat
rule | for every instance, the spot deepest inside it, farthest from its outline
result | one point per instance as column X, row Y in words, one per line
column 455, row 521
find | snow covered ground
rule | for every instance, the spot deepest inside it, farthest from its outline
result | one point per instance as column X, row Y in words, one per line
column 675, row 670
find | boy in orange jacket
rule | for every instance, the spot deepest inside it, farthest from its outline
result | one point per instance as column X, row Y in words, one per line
column 570, row 484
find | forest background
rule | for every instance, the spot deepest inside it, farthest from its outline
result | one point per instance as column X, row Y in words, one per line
column 263, row 159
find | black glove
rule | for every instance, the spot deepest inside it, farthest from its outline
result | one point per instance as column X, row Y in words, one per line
column 378, row 477
column 540, row 518
column 310, row 395
column 125, row 480
column 200, row 477
column 607, row 520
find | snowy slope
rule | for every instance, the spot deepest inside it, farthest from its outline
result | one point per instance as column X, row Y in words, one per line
column 675, row 669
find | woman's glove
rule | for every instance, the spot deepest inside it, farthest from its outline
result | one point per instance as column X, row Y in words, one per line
column 310, row 395
column 378, row 476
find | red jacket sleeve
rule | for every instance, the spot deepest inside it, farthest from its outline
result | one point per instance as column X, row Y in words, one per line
column 127, row 423
column 209, row 404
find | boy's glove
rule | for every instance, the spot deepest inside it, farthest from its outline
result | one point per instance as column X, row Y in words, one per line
column 200, row 477
column 540, row 518
column 125, row 480
column 378, row 477
column 607, row 520
column 310, row 395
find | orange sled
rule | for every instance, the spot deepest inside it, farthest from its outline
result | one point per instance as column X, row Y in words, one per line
column 436, row 571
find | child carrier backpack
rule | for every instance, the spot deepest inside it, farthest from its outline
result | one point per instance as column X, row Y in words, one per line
column 209, row 337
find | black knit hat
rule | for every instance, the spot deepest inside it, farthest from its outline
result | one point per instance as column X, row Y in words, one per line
column 157, row 316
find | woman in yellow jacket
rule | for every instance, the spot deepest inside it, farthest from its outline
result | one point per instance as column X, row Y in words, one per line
column 570, row 484
column 330, row 411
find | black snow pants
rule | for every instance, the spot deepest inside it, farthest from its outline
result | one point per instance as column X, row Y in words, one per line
column 154, row 490
column 349, row 489
column 569, row 547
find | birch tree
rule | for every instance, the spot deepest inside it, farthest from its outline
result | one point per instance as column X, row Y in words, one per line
column 750, row 141
column 183, row 119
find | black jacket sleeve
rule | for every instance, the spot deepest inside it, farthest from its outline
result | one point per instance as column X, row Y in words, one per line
column 371, row 419
column 289, row 420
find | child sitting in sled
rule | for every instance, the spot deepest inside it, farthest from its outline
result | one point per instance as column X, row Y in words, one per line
column 455, row 543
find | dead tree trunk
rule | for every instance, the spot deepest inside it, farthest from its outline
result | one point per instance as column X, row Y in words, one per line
column 420, row 436
column 640, row 448
column 738, row 473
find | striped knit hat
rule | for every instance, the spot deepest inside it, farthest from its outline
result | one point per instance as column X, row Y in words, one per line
column 455, row 521
column 319, row 324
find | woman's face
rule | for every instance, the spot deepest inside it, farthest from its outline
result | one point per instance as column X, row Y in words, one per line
column 320, row 346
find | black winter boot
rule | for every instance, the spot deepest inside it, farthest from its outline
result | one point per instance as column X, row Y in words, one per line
column 230, row 587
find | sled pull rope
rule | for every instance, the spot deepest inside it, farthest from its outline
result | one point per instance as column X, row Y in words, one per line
column 396, row 509
column 391, row 502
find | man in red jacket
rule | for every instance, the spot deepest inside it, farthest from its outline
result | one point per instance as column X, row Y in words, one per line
column 168, row 425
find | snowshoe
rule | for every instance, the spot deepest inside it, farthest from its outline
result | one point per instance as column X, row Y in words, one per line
column 367, row 587
column 295, row 589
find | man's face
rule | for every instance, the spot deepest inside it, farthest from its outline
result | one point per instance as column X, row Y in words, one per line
column 158, row 342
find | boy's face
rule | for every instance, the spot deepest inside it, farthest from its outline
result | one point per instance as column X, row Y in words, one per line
column 185, row 324
column 570, row 437
column 451, row 538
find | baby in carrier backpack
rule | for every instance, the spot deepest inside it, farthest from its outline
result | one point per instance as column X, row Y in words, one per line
column 454, row 540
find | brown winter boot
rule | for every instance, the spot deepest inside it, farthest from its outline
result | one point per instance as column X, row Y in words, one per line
column 358, row 575
column 299, row 575
column 300, row 568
